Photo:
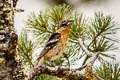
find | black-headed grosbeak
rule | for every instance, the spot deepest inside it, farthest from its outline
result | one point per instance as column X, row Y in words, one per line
column 56, row 44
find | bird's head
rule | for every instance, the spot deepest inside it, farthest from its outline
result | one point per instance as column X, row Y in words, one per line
column 66, row 23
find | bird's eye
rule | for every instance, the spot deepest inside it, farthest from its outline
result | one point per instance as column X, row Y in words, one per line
column 64, row 24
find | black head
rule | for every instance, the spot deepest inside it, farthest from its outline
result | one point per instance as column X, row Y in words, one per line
column 65, row 23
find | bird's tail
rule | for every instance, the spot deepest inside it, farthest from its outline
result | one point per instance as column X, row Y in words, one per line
column 41, row 61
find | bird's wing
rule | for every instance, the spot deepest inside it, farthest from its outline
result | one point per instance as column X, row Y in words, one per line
column 53, row 40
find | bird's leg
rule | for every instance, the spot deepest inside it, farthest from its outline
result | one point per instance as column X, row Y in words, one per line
column 51, row 63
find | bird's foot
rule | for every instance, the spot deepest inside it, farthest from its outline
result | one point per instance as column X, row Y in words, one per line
column 51, row 63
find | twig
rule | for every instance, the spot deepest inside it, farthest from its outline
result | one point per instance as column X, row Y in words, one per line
column 61, row 71
column 26, row 54
column 18, row 10
column 58, row 71
column 94, row 39
column 84, row 48
column 93, row 58
column 67, row 59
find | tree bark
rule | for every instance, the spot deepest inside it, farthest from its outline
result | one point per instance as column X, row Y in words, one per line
column 9, row 67
column 84, row 72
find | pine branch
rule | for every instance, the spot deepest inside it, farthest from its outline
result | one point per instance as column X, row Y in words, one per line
column 108, row 70
column 101, row 25
column 84, row 48
column 26, row 48
column 61, row 71
column 46, row 23
column 55, row 71
column 26, row 54
column 94, row 39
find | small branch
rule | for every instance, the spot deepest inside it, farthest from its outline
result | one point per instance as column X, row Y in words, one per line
column 89, row 65
column 91, row 61
column 61, row 71
column 18, row 10
column 94, row 39
column 55, row 71
column 84, row 48
column 65, row 55
column 93, row 58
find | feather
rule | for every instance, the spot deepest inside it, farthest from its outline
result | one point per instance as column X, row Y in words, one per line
column 53, row 40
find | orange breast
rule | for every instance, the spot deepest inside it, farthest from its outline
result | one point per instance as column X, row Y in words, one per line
column 57, row 51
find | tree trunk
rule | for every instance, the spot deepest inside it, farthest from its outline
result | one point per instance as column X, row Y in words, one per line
column 9, row 67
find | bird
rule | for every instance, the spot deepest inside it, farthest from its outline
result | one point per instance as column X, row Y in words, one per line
column 56, row 44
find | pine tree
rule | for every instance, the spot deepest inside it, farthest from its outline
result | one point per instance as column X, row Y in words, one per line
column 90, row 37
column 109, row 71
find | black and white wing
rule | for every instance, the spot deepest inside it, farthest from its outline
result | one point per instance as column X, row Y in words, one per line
column 53, row 40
